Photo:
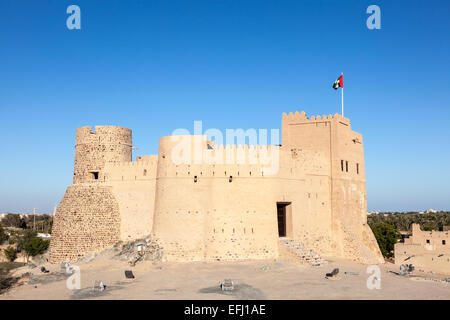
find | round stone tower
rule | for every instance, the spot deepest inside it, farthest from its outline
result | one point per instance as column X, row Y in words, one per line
column 95, row 148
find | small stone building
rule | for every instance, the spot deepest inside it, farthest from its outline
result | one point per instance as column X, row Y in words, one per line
column 426, row 250
column 204, row 201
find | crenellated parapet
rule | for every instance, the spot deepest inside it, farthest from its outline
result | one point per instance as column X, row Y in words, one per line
column 302, row 117
column 131, row 171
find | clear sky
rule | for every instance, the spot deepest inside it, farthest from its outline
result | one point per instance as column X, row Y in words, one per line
column 157, row 65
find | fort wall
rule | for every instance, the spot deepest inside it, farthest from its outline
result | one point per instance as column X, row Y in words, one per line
column 87, row 220
column 133, row 185
column 218, row 215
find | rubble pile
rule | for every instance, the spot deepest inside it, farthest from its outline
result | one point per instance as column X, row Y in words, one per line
column 139, row 250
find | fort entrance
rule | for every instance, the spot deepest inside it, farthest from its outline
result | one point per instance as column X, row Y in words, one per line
column 283, row 211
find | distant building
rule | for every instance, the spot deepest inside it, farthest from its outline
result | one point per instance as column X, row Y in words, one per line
column 44, row 236
column 426, row 250
column 430, row 211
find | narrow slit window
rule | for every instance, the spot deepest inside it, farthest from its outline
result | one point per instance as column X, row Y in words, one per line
column 346, row 166
column 342, row 165
column 357, row 168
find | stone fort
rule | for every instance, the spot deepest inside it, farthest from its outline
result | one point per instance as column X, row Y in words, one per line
column 230, row 203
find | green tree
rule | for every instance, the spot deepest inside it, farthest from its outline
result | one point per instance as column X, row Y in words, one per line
column 50, row 227
column 23, row 238
column 387, row 235
column 12, row 220
column 3, row 235
column 36, row 246
column 10, row 253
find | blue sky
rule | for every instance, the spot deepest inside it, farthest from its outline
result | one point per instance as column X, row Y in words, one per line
column 155, row 66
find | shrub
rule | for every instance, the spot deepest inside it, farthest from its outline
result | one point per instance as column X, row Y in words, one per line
column 10, row 253
column 24, row 237
column 36, row 246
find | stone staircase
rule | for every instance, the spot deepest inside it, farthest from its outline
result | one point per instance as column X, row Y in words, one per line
column 297, row 249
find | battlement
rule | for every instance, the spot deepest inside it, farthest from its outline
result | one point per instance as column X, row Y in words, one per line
column 132, row 164
column 103, row 135
column 130, row 171
column 302, row 117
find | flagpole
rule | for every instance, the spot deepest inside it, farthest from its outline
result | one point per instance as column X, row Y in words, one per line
column 342, row 96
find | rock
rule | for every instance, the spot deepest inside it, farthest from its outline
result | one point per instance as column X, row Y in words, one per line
column 139, row 250
column 406, row 269
column 332, row 273
column 129, row 274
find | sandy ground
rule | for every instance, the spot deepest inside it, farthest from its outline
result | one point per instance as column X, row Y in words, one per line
column 280, row 279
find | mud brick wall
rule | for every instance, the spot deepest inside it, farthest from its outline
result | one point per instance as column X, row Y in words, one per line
column 86, row 220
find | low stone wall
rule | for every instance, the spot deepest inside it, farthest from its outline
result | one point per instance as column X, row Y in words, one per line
column 86, row 220
column 437, row 260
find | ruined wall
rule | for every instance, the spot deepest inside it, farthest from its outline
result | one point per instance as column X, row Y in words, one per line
column 426, row 250
column 86, row 220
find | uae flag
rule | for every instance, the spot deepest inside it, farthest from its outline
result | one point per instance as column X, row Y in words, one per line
column 339, row 82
